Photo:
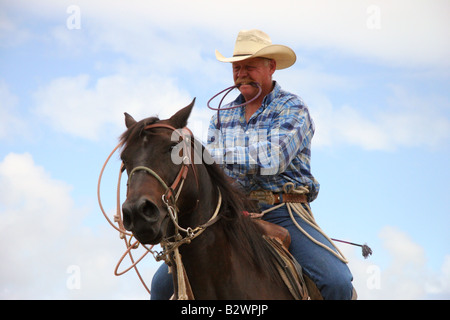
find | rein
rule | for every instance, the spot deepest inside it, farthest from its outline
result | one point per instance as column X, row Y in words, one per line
column 228, row 90
column 169, row 198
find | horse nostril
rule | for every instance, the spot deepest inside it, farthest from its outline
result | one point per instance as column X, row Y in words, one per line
column 148, row 210
column 127, row 216
column 136, row 212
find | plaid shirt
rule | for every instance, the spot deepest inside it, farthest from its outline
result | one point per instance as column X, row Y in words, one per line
column 271, row 149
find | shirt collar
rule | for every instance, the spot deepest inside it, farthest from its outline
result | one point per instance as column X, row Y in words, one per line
column 272, row 95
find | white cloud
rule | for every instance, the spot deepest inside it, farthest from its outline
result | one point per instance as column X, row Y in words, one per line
column 78, row 107
column 439, row 286
column 398, row 117
column 44, row 238
column 414, row 120
column 407, row 120
column 346, row 126
column 164, row 41
column 407, row 32
column 407, row 274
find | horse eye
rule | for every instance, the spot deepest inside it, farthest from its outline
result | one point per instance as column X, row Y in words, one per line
column 173, row 146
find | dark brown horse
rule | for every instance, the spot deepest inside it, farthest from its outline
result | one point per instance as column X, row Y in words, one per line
column 229, row 259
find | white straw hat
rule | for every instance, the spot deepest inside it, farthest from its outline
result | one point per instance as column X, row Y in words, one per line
column 255, row 43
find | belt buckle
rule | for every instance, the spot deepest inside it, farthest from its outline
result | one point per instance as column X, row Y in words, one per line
column 263, row 196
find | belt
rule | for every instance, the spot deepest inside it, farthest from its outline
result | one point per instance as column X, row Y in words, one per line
column 268, row 197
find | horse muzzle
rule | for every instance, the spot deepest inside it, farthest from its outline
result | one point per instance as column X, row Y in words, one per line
column 144, row 219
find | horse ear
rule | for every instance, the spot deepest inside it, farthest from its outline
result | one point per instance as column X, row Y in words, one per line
column 179, row 119
column 129, row 120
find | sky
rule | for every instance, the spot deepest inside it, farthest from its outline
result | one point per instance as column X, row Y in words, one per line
column 374, row 74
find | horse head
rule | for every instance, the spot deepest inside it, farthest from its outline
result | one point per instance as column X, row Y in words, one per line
column 151, row 154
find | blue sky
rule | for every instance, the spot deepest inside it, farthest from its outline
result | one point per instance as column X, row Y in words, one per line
column 375, row 75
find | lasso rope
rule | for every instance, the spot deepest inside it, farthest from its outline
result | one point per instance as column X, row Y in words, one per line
column 304, row 212
column 228, row 90
column 122, row 232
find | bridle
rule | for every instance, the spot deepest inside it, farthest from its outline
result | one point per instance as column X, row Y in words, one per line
column 171, row 194
column 169, row 198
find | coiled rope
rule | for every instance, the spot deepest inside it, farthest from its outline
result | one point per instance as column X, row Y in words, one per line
column 304, row 211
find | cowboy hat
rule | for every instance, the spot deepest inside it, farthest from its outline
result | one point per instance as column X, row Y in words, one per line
column 255, row 43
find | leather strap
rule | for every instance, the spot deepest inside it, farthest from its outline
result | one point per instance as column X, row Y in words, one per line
column 290, row 197
column 268, row 197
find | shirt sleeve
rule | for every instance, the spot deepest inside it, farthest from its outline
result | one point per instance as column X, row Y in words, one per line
column 290, row 132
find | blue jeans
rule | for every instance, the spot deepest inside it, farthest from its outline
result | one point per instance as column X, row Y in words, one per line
column 332, row 276
column 162, row 284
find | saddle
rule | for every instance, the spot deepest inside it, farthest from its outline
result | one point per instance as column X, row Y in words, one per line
column 278, row 240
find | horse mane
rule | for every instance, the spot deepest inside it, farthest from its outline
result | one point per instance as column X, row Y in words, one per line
column 241, row 231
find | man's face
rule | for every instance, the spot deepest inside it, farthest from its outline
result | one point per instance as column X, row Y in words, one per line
column 258, row 70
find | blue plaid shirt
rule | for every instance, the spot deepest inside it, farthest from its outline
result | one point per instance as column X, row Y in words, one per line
column 271, row 149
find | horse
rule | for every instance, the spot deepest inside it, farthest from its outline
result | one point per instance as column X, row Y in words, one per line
column 223, row 254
